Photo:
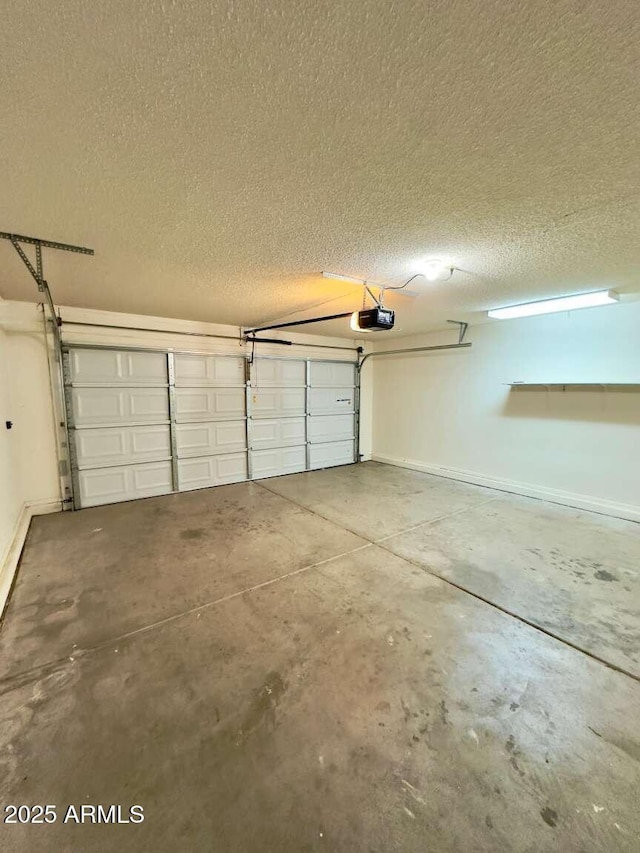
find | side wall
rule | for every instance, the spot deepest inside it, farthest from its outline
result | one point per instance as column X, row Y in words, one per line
column 11, row 501
column 28, row 474
column 452, row 413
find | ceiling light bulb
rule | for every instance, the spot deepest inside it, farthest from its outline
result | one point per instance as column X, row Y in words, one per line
column 433, row 269
column 354, row 322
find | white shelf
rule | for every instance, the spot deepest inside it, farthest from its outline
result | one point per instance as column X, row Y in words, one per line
column 570, row 386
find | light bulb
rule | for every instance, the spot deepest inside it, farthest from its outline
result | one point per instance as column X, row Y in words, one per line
column 433, row 269
column 354, row 322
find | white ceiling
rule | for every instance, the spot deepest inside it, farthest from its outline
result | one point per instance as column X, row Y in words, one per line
column 217, row 156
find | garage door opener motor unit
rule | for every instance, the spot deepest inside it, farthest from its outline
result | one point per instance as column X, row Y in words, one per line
column 373, row 320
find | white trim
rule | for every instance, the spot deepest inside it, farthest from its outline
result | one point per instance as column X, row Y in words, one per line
column 44, row 507
column 604, row 507
column 12, row 557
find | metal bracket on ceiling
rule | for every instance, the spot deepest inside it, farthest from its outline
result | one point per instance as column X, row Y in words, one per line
column 37, row 272
column 462, row 329
column 379, row 299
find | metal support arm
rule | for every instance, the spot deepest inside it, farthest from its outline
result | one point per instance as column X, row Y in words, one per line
column 54, row 356
column 297, row 323
column 49, row 244
column 462, row 328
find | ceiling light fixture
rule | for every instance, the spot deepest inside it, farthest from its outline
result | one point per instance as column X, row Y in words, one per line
column 435, row 268
column 550, row 306
column 340, row 277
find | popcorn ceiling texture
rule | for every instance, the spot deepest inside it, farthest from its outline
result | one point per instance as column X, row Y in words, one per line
column 217, row 156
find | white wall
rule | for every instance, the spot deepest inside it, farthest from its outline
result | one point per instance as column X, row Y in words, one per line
column 451, row 413
column 28, row 476
column 10, row 494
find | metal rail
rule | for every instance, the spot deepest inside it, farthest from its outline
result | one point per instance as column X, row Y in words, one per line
column 239, row 338
column 64, row 322
column 299, row 323
column 412, row 349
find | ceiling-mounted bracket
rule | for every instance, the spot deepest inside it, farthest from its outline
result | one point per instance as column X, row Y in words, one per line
column 37, row 272
column 379, row 299
column 462, row 329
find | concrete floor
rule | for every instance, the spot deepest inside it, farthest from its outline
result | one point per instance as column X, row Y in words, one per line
column 346, row 660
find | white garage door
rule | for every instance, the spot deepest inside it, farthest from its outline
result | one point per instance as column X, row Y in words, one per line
column 210, row 420
column 277, row 427
column 118, row 405
column 148, row 423
column 331, row 414
column 302, row 415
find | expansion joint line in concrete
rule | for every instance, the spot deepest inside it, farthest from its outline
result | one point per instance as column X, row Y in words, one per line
column 341, row 526
column 17, row 679
column 379, row 543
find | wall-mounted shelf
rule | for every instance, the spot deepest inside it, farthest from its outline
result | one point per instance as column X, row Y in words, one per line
column 576, row 386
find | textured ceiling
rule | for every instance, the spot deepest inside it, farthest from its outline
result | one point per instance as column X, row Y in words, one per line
column 217, row 156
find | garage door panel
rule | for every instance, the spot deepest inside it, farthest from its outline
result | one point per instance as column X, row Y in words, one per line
column 330, row 401
column 206, row 439
column 324, row 428
column 117, row 367
column 124, row 483
column 325, row 374
column 193, row 404
column 121, row 445
column 328, row 455
column 278, row 373
column 277, row 402
column 276, row 461
column 270, row 432
column 200, row 473
column 119, row 405
column 208, row 370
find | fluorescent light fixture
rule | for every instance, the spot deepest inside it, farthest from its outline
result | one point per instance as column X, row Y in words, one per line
column 550, row 306
column 339, row 277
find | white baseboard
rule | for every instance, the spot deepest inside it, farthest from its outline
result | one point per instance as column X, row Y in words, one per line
column 44, row 507
column 604, row 507
column 21, row 528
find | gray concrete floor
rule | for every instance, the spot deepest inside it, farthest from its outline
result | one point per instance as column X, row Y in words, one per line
column 357, row 659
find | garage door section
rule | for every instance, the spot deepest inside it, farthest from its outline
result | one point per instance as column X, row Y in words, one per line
column 209, row 408
column 277, row 425
column 120, row 435
column 146, row 423
column 331, row 414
